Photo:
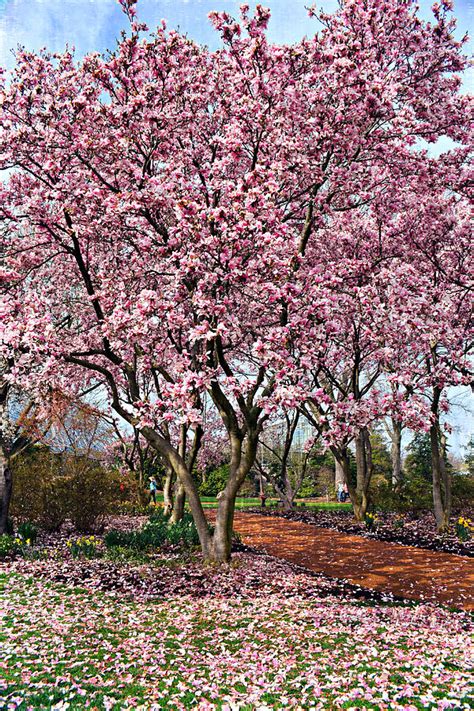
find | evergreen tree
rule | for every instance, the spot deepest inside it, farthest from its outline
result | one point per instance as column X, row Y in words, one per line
column 469, row 458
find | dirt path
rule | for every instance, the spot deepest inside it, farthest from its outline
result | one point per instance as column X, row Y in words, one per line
column 402, row 570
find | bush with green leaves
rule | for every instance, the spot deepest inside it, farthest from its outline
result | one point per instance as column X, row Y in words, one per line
column 214, row 481
column 414, row 495
column 49, row 488
column 39, row 488
column 463, row 490
column 7, row 546
column 156, row 532
column 464, row 528
column 92, row 490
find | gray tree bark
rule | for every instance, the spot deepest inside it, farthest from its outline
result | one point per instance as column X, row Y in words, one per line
column 168, row 491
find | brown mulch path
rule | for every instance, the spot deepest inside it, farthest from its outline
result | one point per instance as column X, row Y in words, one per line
column 405, row 571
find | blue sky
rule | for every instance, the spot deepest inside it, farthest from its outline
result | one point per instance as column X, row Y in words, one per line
column 93, row 25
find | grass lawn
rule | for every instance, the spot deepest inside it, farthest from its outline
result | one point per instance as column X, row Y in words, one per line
column 66, row 647
column 244, row 502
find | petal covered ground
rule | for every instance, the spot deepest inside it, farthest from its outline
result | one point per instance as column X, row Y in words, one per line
column 404, row 571
column 410, row 528
column 70, row 647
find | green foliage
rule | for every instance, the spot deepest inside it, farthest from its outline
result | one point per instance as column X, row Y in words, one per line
column 463, row 490
column 414, row 495
column 49, row 488
column 371, row 521
column 308, row 488
column 11, row 546
column 84, row 547
column 418, row 460
column 214, row 481
column 381, row 459
column 464, row 528
column 159, row 530
column 321, row 457
column 124, row 554
column 28, row 531
column 469, row 458
column 7, row 546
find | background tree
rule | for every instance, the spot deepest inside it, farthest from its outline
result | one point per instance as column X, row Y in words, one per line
column 22, row 424
column 284, row 457
column 469, row 458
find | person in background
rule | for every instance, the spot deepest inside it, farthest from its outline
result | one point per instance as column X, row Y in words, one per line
column 153, row 485
column 345, row 493
column 340, row 491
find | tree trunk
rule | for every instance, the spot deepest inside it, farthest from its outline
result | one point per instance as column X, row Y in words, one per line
column 396, row 454
column 446, row 477
column 168, row 491
column 240, row 465
column 338, row 475
column 215, row 548
column 222, row 538
column 5, row 492
column 288, row 495
column 178, row 504
column 441, row 480
column 364, row 474
column 359, row 504
column 185, row 477
column 440, row 475
column 360, row 463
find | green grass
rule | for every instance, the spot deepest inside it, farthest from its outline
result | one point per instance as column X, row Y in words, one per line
column 85, row 649
column 249, row 503
column 243, row 502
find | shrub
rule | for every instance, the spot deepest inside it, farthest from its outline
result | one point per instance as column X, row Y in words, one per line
column 92, row 490
column 463, row 490
column 414, row 495
column 49, row 488
column 157, row 531
column 215, row 480
column 53, row 504
column 39, row 490
column 7, row 546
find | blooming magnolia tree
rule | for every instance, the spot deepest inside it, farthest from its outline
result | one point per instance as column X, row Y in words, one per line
column 167, row 204
column 442, row 329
